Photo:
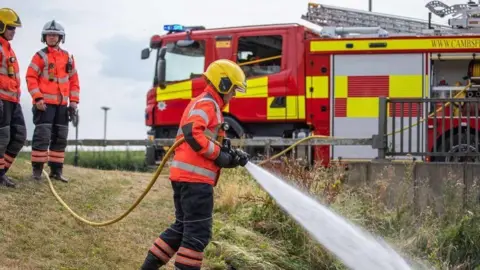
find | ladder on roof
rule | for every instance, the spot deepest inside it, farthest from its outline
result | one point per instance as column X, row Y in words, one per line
column 342, row 21
column 466, row 16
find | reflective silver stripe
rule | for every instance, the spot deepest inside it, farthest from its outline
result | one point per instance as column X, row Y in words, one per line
column 200, row 113
column 35, row 67
column 62, row 80
column 34, row 91
column 219, row 112
column 74, row 93
column 9, row 93
column 3, row 71
column 45, row 63
column 50, row 96
column 208, row 99
column 194, row 169
column 211, row 148
column 73, row 72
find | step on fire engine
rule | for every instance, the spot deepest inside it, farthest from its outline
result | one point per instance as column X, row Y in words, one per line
column 304, row 81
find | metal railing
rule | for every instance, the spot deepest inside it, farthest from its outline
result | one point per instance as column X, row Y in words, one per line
column 434, row 129
column 100, row 142
column 442, row 129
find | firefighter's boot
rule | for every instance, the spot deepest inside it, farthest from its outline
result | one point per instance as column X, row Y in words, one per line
column 151, row 263
column 5, row 181
column 57, row 173
column 37, row 172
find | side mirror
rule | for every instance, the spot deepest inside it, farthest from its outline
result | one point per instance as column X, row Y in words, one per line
column 145, row 53
column 162, row 67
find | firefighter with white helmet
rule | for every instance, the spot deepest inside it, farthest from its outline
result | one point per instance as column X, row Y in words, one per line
column 53, row 28
column 53, row 83
column 12, row 124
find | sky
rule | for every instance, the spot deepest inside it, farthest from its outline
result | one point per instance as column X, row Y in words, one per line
column 107, row 36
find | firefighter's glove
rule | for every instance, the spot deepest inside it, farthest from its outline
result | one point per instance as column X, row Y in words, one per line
column 73, row 105
column 241, row 158
column 72, row 112
column 40, row 104
column 225, row 159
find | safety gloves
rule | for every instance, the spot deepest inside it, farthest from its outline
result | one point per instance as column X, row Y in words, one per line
column 230, row 158
column 240, row 157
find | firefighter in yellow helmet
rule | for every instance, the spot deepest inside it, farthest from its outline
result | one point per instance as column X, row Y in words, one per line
column 195, row 169
column 12, row 123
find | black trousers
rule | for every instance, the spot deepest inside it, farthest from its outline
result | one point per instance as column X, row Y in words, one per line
column 191, row 232
column 12, row 133
column 50, row 136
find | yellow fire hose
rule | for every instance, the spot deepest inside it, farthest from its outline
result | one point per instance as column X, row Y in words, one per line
column 162, row 165
column 152, row 182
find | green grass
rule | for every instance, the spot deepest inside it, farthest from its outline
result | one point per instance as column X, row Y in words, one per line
column 250, row 231
column 106, row 160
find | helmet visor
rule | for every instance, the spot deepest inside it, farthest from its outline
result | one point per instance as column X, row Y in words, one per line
column 239, row 89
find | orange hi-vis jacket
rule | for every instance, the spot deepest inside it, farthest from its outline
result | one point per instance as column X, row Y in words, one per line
column 9, row 73
column 52, row 76
column 194, row 159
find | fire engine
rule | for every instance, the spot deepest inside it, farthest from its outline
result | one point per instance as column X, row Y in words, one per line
column 302, row 80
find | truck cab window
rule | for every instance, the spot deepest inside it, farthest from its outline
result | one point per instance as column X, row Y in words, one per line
column 185, row 60
column 260, row 48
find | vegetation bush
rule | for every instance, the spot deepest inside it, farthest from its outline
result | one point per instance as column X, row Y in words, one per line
column 448, row 238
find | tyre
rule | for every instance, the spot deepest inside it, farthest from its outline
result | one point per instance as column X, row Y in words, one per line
column 460, row 145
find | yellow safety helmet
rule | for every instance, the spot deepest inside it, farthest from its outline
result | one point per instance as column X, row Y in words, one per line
column 226, row 76
column 8, row 17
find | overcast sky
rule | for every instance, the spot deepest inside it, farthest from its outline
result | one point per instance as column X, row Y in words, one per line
column 106, row 38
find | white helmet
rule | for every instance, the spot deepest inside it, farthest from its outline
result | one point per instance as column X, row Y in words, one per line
column 53, row 27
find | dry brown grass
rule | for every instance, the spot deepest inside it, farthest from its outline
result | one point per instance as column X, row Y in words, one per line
column 37, row 233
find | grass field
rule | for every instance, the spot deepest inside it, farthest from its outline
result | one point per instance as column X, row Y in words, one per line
column 106, row 160
column 250, row 231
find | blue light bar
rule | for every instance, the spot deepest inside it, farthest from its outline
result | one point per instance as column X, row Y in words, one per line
column 173, row 28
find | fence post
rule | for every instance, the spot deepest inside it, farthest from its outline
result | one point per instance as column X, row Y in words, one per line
column 380, row 141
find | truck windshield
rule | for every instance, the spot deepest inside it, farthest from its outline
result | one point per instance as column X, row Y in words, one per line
column 185, row 60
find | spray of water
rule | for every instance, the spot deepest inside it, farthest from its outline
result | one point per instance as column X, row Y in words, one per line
column 356, row 248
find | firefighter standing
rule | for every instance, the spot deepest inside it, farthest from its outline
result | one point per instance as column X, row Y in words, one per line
column 52, row 81
column 12, row 124
column 195, row 169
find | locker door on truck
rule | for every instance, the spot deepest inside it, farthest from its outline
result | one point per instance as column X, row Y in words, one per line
column 359, row 81
column 260, row 56
column 317, row 91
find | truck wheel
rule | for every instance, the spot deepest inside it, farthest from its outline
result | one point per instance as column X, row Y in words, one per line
column 460, row 145
column 236, row 130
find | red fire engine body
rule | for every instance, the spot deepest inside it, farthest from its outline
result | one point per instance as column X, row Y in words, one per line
column 300, row 82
